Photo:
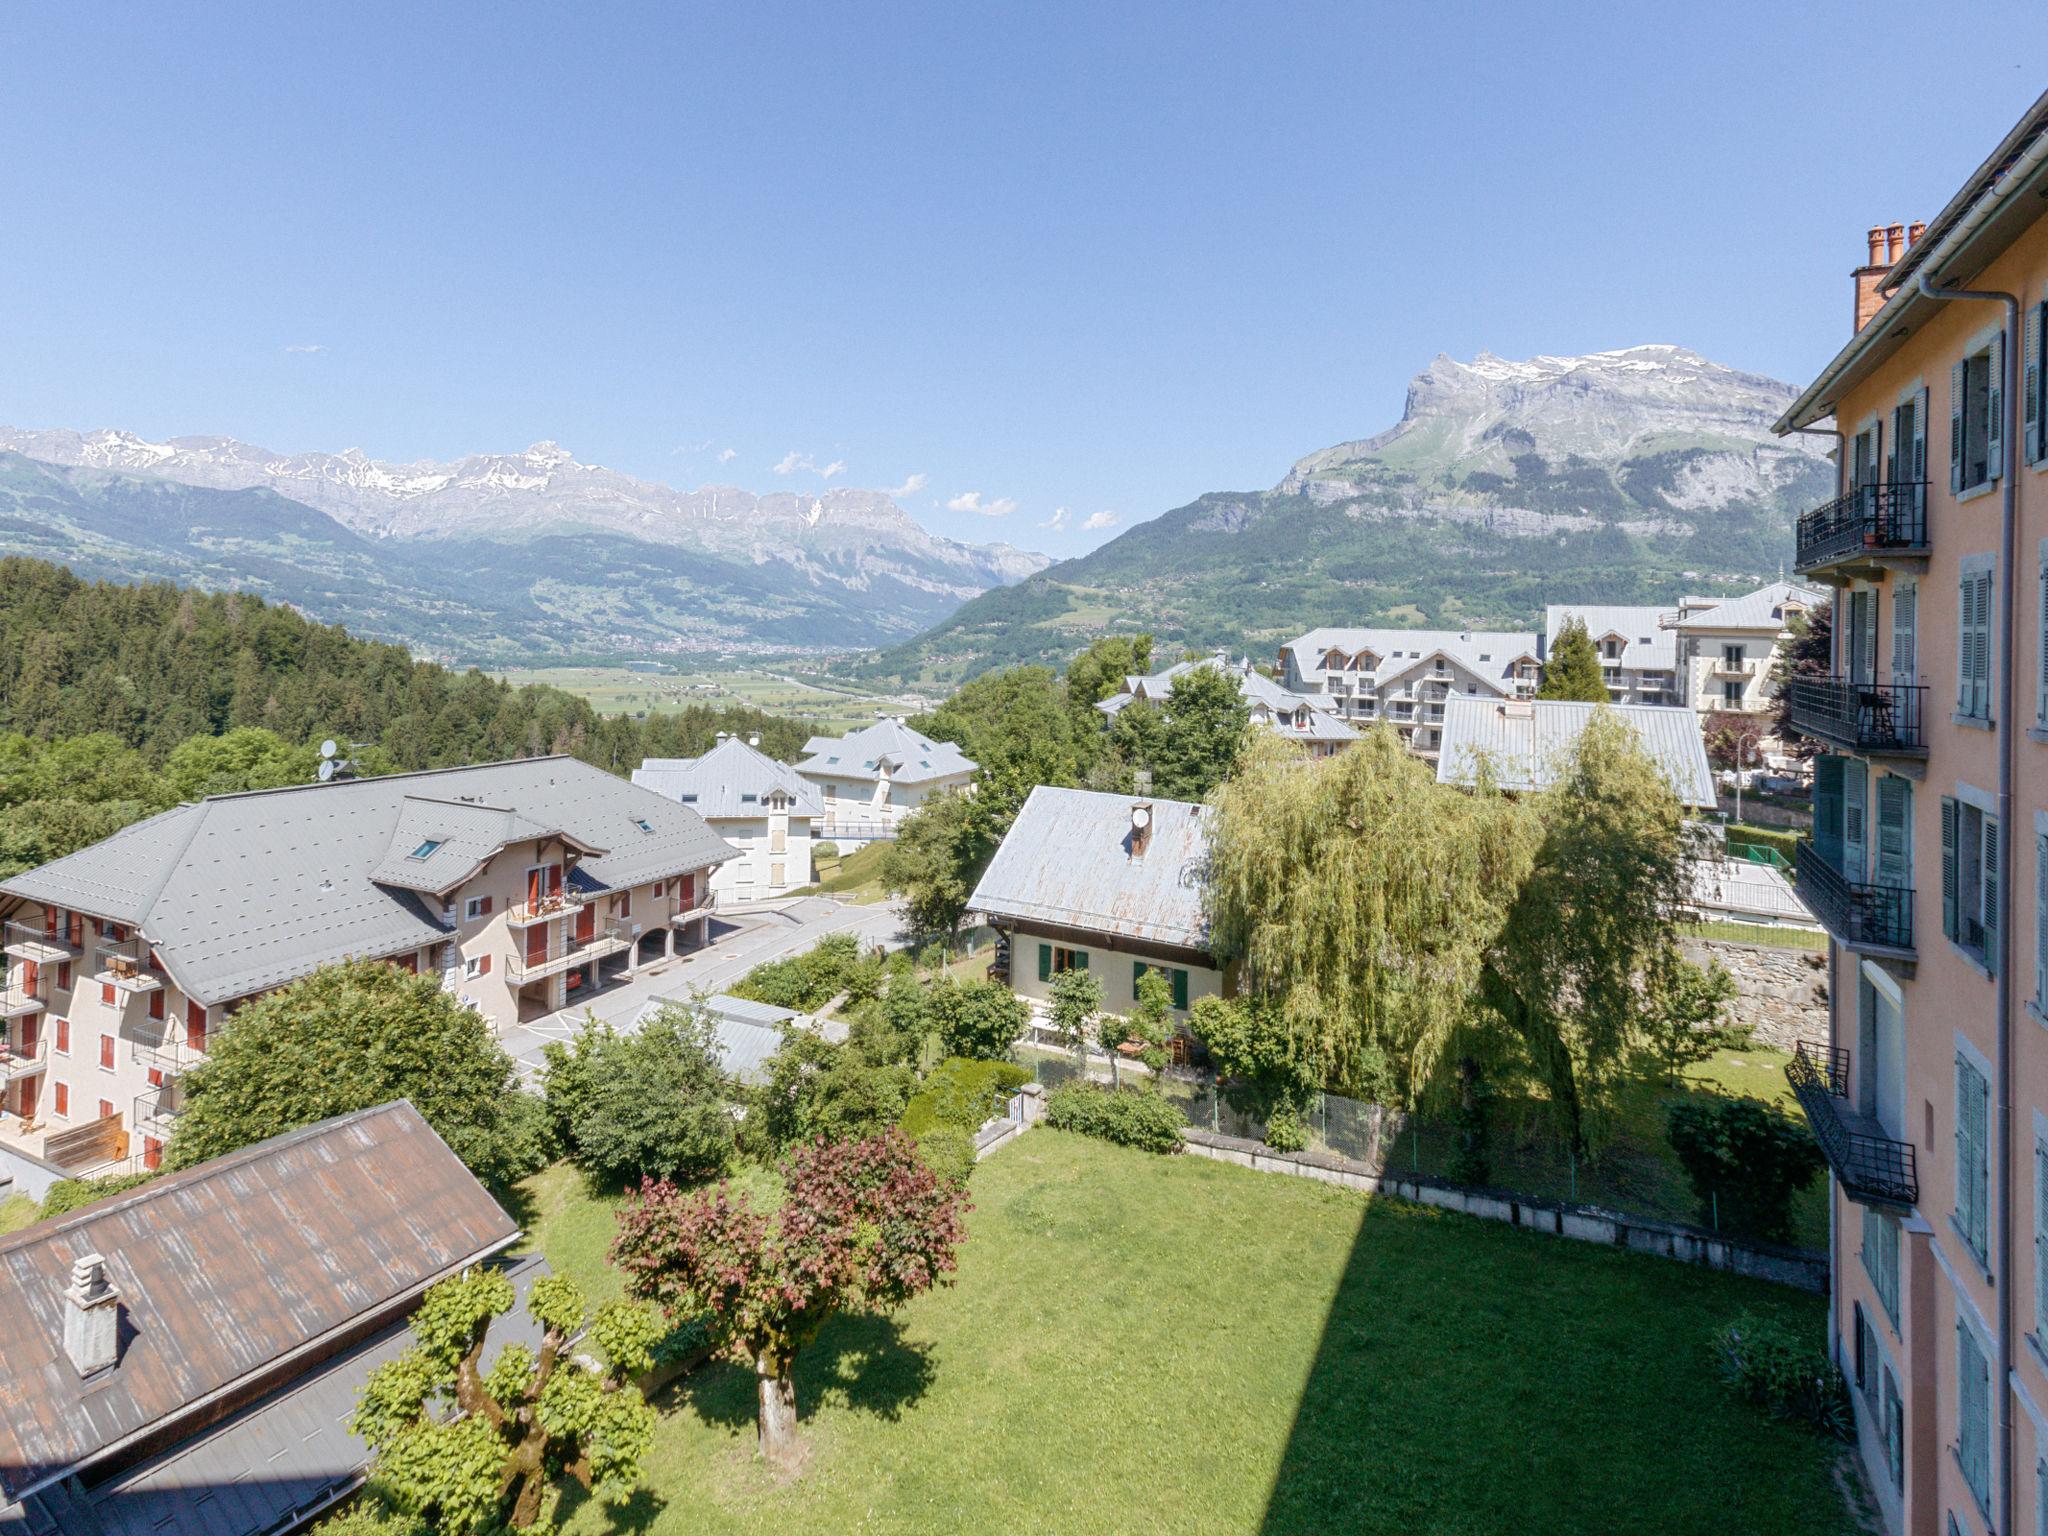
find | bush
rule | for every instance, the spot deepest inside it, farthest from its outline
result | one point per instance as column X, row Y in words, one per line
column 1285, row 1132
column 1786, row 843
column 67, row 1195
column 651, row 1104
column 367, row 1515
column 1745, row 1159
column 804, row 982
column 825, row 851
column 962, row 1093
column 816, row 1088
column 1785, row 1371
column 1129, row 1118
column 977, row 1018
column 949, row 1152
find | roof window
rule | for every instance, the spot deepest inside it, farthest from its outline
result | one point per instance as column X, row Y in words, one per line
column 642, row 823
column 748, row 797
column 426, row 849
column 689, row 797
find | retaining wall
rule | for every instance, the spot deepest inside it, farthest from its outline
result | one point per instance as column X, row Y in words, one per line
column 1781, row 993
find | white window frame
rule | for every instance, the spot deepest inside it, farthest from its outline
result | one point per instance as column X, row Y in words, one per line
column 472, row 967
column 473, row 909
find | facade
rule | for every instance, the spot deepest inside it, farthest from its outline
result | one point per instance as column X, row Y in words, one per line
column 186, row 1356
column 763, row 808
column 523, row 885
column 1523, row 742
column 1109, row 884
column 1929, row 859
column 1405, row 676
column 1309, row 721
column 1728, row 646
column 870, row 779
column 1638, row 654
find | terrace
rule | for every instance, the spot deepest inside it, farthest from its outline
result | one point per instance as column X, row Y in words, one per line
column 1870, row 528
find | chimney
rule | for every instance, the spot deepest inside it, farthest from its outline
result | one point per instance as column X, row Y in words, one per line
column 1894, row 243
column 754, row 739
column 1141, row 828
column 721, row 735
column 92, row 1315
column 1886, row 244
column 1914, row 231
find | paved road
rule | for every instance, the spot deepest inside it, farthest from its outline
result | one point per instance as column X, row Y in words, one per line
column 739, row 943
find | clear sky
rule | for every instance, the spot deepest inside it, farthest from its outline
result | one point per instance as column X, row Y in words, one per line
column 1099, row 257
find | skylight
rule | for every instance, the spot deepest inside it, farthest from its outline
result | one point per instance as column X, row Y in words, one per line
column 642, row 823
column 426, row 849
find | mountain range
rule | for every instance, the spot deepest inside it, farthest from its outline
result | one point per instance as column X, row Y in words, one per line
column 1627, row 476
column 494, row 557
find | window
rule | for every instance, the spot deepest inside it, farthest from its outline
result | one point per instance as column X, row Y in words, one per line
column 64, row 975
column 643, row 824
column 1731, row 692
column 1973, row 1148
column 1976, row 417
column 63, row 1037
column 156, row 1004
column 1864, row 1346
column 1973, row 643
column 106, row 1053
column 1053, row 959
column 1905, row 633
column 106, row 1109
column 1881, row 1260
column 1863, row 457
column 1894, row 1430
column 2041, row 924
column 1973, row 1415
column 476, row 907
column 1175, row 976
column 475, row 966
column 1895, row 832
column 195, row 1026
column 1969, row 879
column 425, row 849
column 2034, row 403
column 61, row 1100
column 2041, row 1242
column 1731, row 657
column 110, row 996
column 2041, row 649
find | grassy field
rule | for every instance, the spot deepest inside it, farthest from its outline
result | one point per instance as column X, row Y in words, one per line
column 1149, row 1345
column 16, row 1212
column 633, row 690
column 856, row 877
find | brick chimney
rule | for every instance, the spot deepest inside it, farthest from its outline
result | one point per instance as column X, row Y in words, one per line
column 1882, row 254
column 92, row 1316
column 1141, row 828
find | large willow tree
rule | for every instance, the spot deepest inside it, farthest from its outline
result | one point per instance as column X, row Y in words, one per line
column 1455, row 930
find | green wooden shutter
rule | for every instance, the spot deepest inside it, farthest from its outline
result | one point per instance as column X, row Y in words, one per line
column 1045, row 962
column 2041, row 681
column 1894, row 832
column 2041, row 926
column 1990, row 892
column 1920, row 435
column 1973, row 1141
column 1080, row 959
column 1905, row 622
column 1137, row 975
column 2030, row 388
column 2041, row 1240
column 1180, row 989
column 1950, row 816
column 1994, row 410
column 1956, row 379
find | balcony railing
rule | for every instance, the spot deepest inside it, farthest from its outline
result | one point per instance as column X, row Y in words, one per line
column 564, row 951
column 167, row 1054
column 1872, row 917
column 28, row 941
column 18, row 999
column 125, row 964
column 703, row 904
column 18, row 1059
column 1881, row 718
column 1872, row 1168
column 554, row 904
column 156, row 1112
column 1872, row 519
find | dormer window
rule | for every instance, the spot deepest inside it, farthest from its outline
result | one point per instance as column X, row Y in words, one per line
column 425, row 849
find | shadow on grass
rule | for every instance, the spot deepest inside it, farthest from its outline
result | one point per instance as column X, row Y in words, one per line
column 637, row 1512
column 860, row 1361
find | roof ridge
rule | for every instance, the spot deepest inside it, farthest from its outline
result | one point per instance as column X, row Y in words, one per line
column 412, row 773
column 170, row 866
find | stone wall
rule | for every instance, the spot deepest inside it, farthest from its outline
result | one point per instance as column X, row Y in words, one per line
column 1780, row 993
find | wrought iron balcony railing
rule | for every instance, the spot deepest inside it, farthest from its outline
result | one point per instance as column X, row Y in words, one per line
column 1873, row 1169
column 1879, row 718
column 1864, row 917
column 1872, row 519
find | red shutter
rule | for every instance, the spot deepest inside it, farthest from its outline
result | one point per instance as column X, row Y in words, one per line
column 554, row 879
column 483, row 965
column 106, row 1109
column 30, row 1031
column 487, row 906
column 107, row 1052
column 156, row 1004
column 533, row 886
column 29, row 1087
column 64, row 975
column 409, row 963
column 536, row 943
column 64, row 1037
column 195, row 1026
column 50, row 915
column 108, row 996
column 586, row 923
column 156, row 1077
column 63, row 1096
column 31, row 973
column 625, row 903
column 152, row 1153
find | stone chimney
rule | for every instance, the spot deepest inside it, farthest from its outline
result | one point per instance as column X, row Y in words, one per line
column 92, row 1316
column 1141, row 828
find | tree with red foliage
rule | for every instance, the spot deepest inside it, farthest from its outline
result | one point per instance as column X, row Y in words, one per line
column 863, row 1225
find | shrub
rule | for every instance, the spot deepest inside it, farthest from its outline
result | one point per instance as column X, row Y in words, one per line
column 816, row 1088
column 825, row 851
column 962, row 1093
column 651, row 1104
column 67, row 1195
column 949, row 1152
column 806, row 981
column 977, row 1018
column 1745, row 1159
column 1785, row 1371
column 1130, row 1119
column 1285, row 1132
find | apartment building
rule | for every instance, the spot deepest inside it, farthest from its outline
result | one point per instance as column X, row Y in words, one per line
column 870, row 779
column 522, row 885
column 1404, row 676
column 1638, row 651
column 763, row 808
column 1929, row 859
column 1727, row 646
column 1308, row 721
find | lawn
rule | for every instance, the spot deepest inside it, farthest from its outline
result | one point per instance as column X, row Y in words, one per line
column 1144, row 1344
column 855, row 877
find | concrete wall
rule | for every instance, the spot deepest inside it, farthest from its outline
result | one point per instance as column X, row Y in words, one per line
column 21, row 1174
column 1780, row 993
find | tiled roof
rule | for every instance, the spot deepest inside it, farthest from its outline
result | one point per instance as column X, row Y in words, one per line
column 912, row 758
column 1067, row 861
column 728, row 782
column 1526, row 744
column 224, row 1271
column 239, row 893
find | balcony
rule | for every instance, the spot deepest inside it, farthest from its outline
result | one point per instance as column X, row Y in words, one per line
column 167, row 1054
column 1871, row 525
column 565, row 951
column 554, row 904
column 23, row 1059
column 1726, row 668
column 25, row 941
column 1871, row 719
column 1872, row 1168
column 1870, row 919
column 702, row 905
column 18, row 1000
column 124, row 963
column 156, row 1112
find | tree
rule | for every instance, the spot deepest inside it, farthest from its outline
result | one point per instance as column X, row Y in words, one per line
column 817, row 1089
column 651, row 1104
column 524, row 1422
column 1203, row 724
column 1573, row 668
column 1809, row 653
column 934, row 861
column 1264, row 1068
column 1076, row 999
column 1099, row 672
column 980, row 1019
column 349, row 1037
column 1149, row 1025
column 1745, row 1159
column 863, row 1225
column 1685, row 1022
column 1733, row 738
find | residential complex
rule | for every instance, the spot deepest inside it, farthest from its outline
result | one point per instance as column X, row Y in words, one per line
column 1296, row 716
column 870, row 779
column 1929, row 859
column 763, row 808
column 1638, row 653
column 1404, row 676
column 1728, row 646
column 522, row 885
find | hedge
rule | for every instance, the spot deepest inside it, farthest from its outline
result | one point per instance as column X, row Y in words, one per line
column 67, row 1195
column 1128, row 1117
column 962, row 1092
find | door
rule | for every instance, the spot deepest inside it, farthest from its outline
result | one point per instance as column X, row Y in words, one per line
column 1884, row 1037
column 1855, row 847
column 536, row 943
column 533, row 887
column 1894, row 832
column 31, row 1089
column 31, row 1032
column 195, row 1026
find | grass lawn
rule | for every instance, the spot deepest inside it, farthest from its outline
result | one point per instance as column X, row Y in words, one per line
column 16, row 1212
column 855, row 877
column 1144, row 1344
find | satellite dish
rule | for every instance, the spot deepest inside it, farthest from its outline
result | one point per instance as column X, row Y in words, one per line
column 327, row 747
column 326, row 769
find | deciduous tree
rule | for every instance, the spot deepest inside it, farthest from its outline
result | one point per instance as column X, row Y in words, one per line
column 1076, row 999
column 650, row 1104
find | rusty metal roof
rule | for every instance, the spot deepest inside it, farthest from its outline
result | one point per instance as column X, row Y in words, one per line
column 224, row 1271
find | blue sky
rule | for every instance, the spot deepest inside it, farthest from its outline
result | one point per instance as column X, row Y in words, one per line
column 1098, row 258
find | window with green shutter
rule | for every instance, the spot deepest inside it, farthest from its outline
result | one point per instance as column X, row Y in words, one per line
column 1905, row 634
column 1881, row 1260
column 1973, row 1414
column 1175, row 976
column 1973, row 645
column 2041, row 1242
column 1045, row 962
column 1973, row 1166
column 1895, row 832
column 1951, row 887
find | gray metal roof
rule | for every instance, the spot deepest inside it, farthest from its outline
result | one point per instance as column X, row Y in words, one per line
column 911, row 756
column 1488, row 654
column 1296, row 715
column 748, row 1032
column 1067, row 861
column 1647, row 642
column 1763, row 609
column 729, row 782
column 224, row 1271
column 438, row 844
column 1527, row 744
column 239, row 893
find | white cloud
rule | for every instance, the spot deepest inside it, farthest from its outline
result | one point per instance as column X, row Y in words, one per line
column 1058, row 521
column 305, row 347
column 910, row 487
column 970, row 501
column 682, row 449
column 792, row 461
column 727, row 455
column 836, row 467
column 1100, row 520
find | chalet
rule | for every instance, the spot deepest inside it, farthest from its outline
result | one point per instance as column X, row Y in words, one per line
column 766, row 810
column 870, row 779
column 1296, row 716
column 1407, row 676
column 1522, row 743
